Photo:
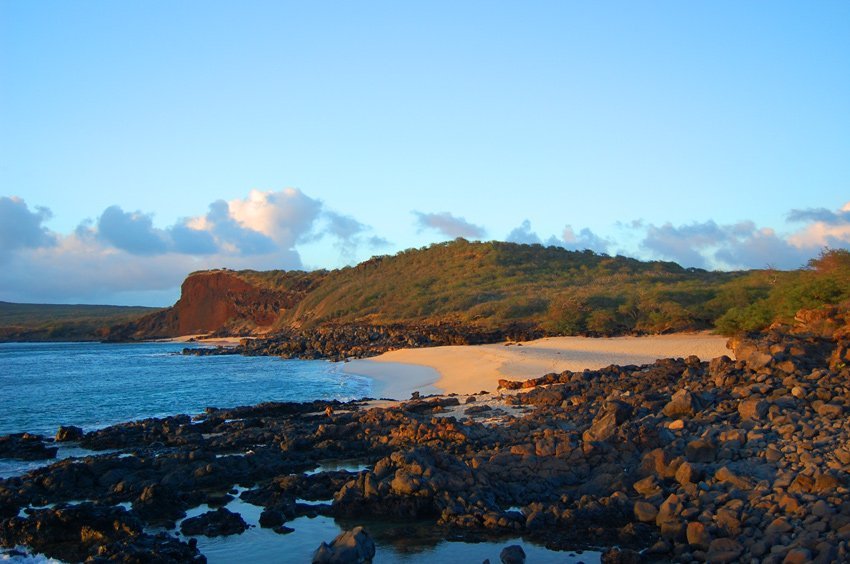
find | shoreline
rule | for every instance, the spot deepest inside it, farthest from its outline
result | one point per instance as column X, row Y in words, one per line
column 226, row 342
column 468, row 369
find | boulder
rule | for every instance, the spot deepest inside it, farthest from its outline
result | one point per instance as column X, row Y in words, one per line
column 698, row 535
column 24, row 446
column 753, row 408
column 220, row 522
column 605, row 424
column 68, row 433
column 513, row 554
column 724, row 550
column 682, row 404
column 645, row 512
column 349, row 547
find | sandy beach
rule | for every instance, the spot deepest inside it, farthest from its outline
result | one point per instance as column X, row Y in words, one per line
column 205, row 340
column 470, row 369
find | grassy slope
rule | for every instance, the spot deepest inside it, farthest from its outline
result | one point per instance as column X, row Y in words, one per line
column 62, row 322
column 497, row 284
column 493, row 284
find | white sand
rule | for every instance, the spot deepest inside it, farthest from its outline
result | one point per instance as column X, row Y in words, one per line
column 470, row 369
column 205, row 340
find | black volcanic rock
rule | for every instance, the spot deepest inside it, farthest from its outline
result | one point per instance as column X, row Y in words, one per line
column 220, row 522
column 86, row 531
column 751, row 464
column 24, row 446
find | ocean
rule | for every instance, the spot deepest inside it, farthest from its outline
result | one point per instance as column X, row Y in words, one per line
column 93, row 385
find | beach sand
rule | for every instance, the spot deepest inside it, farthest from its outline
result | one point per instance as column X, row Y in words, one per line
column 470, row 369
column 204, row 340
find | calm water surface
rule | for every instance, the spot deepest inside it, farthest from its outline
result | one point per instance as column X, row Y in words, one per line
column 44, row 385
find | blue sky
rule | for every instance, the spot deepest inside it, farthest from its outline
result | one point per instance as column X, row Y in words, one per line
column 143, row 140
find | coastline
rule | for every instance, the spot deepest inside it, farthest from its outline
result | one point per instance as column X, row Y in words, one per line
column 470, row 369
column 226, row 342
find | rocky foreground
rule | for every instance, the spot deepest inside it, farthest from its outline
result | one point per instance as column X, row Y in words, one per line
column 681, row 460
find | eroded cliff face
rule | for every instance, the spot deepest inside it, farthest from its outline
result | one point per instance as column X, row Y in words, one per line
column 208, row 300
column 217, row 301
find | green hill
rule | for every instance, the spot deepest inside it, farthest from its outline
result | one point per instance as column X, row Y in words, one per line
column 494, row 284
column 491, row 284
column 56, row 322
column 489, row 287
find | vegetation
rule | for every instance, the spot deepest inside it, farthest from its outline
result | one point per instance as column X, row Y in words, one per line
column 51, row 322
column 496, row 285
column 825, row 281
column 565, row 292
column 493, row 284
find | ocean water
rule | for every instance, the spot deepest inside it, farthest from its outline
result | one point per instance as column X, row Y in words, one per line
column 92, row 385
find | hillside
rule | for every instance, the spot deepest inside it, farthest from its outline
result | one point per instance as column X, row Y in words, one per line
column 57, row 322
column 492, row 286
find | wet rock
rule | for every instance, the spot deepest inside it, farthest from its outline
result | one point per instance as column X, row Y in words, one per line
column 218, row 523
column 513, row 554
column 24, row 446
column 159, row 504
column 349, row 547
column 68, row 433
column 86, row 532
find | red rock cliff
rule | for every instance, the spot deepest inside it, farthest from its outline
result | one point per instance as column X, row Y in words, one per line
column 219, row 300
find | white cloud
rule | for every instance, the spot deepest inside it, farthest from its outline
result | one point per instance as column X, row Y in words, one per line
column 569, row 239
column 449, row 225
column 132, row 232
column 21, row 228
column 584, row 239
column 523, row 234
column 124, row 254
column 744, row 245
column 825, row 228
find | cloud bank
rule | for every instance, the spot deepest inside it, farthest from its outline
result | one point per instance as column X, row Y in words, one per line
column 585, row 239
column 741, row 245
column 122, row 255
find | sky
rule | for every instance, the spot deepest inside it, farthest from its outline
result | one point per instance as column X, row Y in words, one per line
column 140, row 141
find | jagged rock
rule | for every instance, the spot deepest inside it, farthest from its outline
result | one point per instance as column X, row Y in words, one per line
column 88, row 532
column 753, row 408
column 682, row 404
column 68, row 433
column 606, row 422
column 349, row 547
column 24, row 446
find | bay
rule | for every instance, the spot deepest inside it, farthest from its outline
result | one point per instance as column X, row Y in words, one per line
column 92, row 385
